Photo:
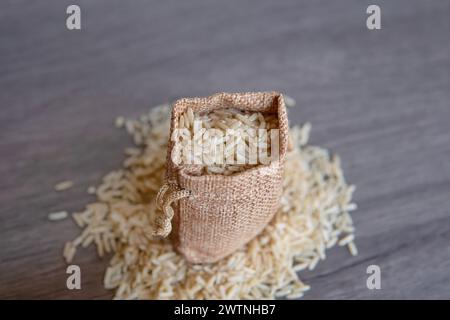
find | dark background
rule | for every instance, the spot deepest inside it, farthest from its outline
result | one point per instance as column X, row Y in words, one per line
column 380, row 99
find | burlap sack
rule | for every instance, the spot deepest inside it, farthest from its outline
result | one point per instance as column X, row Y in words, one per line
column 213, row 215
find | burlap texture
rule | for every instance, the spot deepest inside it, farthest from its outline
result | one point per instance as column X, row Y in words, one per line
column 222, row 213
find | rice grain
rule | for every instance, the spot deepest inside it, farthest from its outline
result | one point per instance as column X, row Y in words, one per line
column 60, row 215
column 64, row 185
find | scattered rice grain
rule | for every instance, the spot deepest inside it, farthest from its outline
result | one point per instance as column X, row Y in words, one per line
column 55, row 216
column 91, row 190
column 63, row 185
column 119, row 122
column 352, row 248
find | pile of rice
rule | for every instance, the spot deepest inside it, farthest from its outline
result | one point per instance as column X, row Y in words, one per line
column 223, row 141
column 313, row 217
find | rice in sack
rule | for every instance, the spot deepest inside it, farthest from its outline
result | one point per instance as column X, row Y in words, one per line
column 212, row 215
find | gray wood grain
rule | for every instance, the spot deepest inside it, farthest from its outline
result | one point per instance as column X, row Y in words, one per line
column 379, row 99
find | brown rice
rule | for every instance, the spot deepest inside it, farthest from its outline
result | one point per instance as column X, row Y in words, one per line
column 223, row 129
column 55, row 216
column 64, row 185
column 313, row 216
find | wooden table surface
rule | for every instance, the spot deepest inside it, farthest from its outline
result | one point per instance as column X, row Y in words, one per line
column 380, row 99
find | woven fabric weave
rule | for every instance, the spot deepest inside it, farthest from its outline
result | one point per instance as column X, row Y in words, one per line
column 217, row 214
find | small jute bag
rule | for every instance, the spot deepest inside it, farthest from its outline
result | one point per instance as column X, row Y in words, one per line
column 211, row 216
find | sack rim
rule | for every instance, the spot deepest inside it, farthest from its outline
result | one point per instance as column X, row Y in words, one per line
column 280, row 110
